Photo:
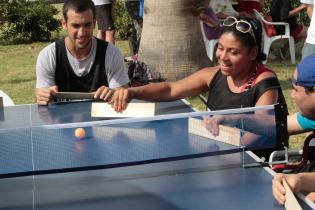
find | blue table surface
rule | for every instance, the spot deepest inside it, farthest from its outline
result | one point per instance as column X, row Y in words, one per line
column 214, row 182
column 112, row 145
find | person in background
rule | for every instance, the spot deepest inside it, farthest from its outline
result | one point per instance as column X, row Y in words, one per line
column 133, row 8
column 79, row 62
column 248, row 6
column 309, row 45
column 141, row 8
column 282, row 11
column 303, row 94
column 211, row 23
column 105, row 21
column 309, row 5
column 223, row 8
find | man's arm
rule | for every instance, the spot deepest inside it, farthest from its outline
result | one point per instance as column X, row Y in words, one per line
column 294, row 126
column 45, row 95
column 117, row 76
column 210, row 22
column 297, row 10
column 260, row 124
column 45, row 75
column 309, row 10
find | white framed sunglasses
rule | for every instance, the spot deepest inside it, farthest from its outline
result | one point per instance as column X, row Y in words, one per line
column 241, row 25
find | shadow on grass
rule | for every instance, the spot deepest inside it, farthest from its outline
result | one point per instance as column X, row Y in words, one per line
column 17, row 81
column 14, row 42
column 55, row 35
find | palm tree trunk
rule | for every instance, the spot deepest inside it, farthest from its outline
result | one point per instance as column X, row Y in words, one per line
column 171, row 41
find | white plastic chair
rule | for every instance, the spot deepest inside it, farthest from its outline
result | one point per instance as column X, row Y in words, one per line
column 209, row 44
column 267, row 41
column 7, row 101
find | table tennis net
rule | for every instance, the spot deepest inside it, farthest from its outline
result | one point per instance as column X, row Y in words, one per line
column 32, row 148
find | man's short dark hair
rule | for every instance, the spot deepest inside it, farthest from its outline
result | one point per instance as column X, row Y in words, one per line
column 78, row 6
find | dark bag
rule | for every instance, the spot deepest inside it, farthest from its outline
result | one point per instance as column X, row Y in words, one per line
column 138, row 72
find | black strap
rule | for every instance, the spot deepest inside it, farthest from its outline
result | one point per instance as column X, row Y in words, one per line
column 68, row 81
column 271, row 83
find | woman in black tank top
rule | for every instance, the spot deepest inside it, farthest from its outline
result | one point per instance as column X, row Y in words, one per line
column 239, row 80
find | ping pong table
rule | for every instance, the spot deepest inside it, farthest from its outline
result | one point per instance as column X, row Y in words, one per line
column 145, row 165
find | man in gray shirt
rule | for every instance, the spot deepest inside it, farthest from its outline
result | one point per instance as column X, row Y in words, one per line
column 80, row 62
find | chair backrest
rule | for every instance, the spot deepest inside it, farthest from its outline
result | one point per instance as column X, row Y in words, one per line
column 7, row 101
column 262, row 22
column 259, row 16
column 267, row 23
column 209, row 44
column 268, row 40
column 203, row 32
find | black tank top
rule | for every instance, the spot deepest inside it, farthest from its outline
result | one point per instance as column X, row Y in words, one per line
column 68, row 81
column 221, row 97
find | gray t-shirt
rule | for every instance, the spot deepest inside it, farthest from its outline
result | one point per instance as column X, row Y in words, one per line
column 114, row 64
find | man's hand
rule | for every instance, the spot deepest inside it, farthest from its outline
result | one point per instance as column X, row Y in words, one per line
column 278, row 189
column 45, row 95
column 104, row 93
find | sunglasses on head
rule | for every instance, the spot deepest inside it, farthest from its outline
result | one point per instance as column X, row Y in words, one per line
column 241, row 25
column 295, row 82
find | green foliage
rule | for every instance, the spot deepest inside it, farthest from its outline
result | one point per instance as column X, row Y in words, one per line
column 27, row 20
column 123, row 21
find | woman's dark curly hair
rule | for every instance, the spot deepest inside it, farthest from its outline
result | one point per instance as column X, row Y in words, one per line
column 246, row 38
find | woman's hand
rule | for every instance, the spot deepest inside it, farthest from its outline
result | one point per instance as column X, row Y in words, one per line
column 121, row 98
column 212, row 123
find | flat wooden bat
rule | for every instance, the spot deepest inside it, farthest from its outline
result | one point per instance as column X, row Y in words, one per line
column 74, row 95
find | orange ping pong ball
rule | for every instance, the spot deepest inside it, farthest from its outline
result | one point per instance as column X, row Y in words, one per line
column 79, row 133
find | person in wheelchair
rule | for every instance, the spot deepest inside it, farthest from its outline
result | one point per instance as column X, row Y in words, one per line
column 303, row 94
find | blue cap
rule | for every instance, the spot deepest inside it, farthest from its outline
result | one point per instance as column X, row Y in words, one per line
column 306, row 72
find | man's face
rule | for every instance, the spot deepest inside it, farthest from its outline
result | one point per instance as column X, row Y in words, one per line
column 80, row 29
column 304, row 99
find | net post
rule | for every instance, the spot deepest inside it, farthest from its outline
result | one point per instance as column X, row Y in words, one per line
column 1, row 109
column 243, row 156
